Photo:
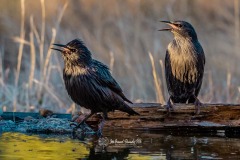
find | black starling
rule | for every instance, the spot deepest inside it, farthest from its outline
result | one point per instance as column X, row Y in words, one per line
column 89, row 82
column 184, row 65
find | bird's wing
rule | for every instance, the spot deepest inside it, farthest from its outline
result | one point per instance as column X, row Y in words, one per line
column 200, row 67
column 168, row 71
column 104, row 78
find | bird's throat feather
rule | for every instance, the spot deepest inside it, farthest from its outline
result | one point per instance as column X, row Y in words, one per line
column 74, row 70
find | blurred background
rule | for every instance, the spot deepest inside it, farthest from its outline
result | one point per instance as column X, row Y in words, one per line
column 123, row 35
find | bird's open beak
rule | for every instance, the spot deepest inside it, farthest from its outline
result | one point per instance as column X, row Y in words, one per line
column 171, row 24
column 59, row 45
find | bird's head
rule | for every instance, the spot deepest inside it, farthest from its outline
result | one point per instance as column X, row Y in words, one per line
column 74, row 51
column 180, row 29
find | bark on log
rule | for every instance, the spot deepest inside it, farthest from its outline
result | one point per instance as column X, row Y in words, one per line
column 212, row 118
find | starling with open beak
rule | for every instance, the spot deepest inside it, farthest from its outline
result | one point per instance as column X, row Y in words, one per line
column 184, row 65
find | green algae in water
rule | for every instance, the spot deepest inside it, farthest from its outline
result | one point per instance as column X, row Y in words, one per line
column 23, row 147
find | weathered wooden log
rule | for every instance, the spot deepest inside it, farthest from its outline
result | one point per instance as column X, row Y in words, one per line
column 212, row 118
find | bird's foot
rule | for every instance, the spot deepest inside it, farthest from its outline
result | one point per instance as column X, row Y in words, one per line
column 82, row 124
column 77, row 120
column 100, row 128
column 74, row 131
column 169, row 106
column 101, row 124
column 73, row 124
column 82, row 129
column 197, row 104
column 76, row 126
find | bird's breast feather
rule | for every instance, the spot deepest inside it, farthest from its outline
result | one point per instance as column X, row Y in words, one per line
column 75, row 70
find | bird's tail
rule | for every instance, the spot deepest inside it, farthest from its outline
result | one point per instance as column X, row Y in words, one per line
column 128, row 109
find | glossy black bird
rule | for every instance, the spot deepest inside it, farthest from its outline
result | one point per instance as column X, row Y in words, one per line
column 184, row 64
column 89, row 82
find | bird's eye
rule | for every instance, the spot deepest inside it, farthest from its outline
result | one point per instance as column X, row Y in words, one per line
column 73, row 50
column 179, row 25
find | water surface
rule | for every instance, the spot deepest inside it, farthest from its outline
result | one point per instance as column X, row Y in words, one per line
column 117, row 145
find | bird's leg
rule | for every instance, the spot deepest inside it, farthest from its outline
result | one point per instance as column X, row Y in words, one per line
column 78, row 125
column 170, row 105
column 105, row 115
column 101, row 124
column 197, row 104
column 88, row 116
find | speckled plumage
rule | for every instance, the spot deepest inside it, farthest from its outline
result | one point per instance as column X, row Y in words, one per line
column 184, row 71
column 89, row 82
column 184, row 63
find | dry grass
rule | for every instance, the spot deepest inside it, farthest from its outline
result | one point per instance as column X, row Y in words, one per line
column 157, row 82
column 120, row 34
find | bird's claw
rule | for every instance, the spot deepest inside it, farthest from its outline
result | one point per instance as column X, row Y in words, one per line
column 197, row 104
column 73, row 124
column 76, row 126
column 169, row 106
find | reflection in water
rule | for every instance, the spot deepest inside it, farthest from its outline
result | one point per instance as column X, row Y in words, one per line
column 117, row 145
